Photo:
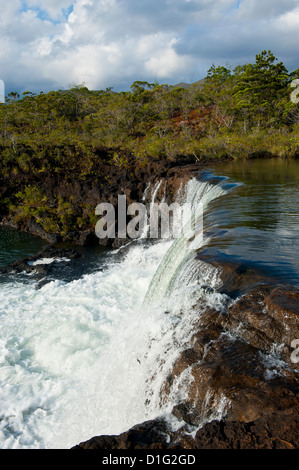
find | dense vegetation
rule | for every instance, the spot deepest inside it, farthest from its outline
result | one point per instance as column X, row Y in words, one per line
column 78, row 134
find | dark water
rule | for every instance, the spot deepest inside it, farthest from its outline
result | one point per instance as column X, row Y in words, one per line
column 15, row 245
column 258, row 220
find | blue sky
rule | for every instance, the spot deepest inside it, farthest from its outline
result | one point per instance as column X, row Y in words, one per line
column 56, row 16
column 51, row 44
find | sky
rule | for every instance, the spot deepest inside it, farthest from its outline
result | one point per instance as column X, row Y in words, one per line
column 54, row 44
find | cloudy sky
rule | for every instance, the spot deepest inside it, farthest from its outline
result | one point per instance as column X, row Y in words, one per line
column 51, row 44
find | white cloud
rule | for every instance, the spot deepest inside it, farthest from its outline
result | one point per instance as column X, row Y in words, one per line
column 289, row 21
column 49, row 43
column 264, row 10
column 163, row 62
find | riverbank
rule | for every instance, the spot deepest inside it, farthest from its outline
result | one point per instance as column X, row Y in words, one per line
column 85, row 195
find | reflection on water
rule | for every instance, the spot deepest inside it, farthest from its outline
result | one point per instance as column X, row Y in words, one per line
column 15, row 245
column 258, row 220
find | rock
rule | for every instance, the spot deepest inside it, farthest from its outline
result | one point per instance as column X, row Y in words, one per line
column 241, row 359
column 237, row 278
column 37, row 230
column 148, row 435
column 267, row 318
column 278, row 430
column 283, row 305
column 88, row 238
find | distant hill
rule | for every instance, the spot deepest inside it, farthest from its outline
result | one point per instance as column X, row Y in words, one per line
column 199, row 83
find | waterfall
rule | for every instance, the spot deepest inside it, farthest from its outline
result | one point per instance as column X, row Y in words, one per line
column 153, row 195
column 90, row 356
column 180, row 290
column 198, row 194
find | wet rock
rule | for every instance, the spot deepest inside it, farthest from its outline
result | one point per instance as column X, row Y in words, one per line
column 277, row 430
column 283, row 305
column 267, row 318
column 148, row 435
column 236, row 277
column 240, row 360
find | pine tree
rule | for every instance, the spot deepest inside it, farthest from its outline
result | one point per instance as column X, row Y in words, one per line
column 260, row 86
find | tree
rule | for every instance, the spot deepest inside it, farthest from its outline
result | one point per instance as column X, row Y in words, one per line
column 217, row 92
column 260, row 86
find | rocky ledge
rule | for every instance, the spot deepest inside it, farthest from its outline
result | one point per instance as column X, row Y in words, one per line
column 241, row 360
column 276, row 431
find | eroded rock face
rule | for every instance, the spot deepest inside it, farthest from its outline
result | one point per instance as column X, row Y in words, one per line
column 242, row 357
column 278, row 430
column 148, row 435
column 267, row 318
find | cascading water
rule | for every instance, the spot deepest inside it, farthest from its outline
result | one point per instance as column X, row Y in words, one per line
column 90, row 356
column 181, row 289
column 196, row 194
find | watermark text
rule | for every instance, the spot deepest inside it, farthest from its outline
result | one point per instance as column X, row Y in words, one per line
column 295, row 353
column 295, row 93
column 158, row 220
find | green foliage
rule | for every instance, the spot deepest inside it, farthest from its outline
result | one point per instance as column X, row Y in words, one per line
column 259, row 87
column 82, row 135
column 31, row 203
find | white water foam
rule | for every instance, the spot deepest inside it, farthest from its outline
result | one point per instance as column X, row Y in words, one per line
column 47, row 261
column 69, row 354
column 89, row 357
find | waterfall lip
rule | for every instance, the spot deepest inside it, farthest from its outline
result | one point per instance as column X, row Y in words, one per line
column 211, row 176
column 230, row 186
